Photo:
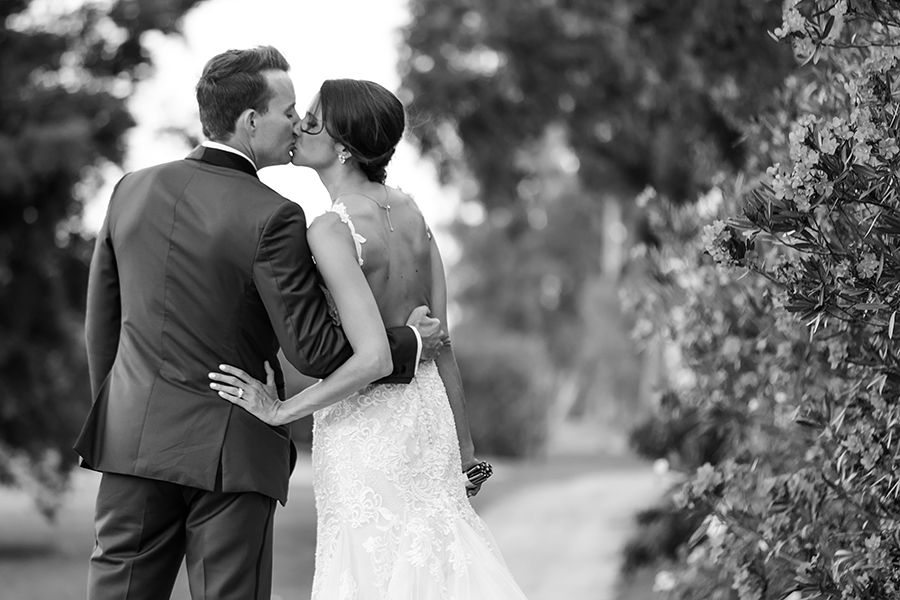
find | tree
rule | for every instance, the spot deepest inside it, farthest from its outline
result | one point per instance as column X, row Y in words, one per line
column 648, row 92
column 64, row 83
column 552, row 117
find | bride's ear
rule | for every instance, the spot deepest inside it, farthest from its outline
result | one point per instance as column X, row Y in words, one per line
column 342, row 153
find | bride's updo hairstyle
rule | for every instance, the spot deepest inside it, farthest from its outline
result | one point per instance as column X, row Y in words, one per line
column 367, row 119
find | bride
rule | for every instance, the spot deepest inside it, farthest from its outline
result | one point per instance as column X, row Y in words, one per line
column 389, row 460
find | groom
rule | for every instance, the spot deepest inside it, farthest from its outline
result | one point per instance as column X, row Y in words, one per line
column 197, row 264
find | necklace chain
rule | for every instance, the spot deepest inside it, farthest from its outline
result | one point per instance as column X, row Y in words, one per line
column 385, row 207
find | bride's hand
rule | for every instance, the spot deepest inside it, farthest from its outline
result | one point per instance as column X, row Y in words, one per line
column 472, row 489
column 260, row 400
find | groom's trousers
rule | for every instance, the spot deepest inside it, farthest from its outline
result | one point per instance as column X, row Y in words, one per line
column 144, row 529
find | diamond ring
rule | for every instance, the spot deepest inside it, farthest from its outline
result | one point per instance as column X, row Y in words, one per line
column 240, row 392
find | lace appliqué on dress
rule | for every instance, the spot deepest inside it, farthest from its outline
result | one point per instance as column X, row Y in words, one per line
column 358, row 240
column 340, row 210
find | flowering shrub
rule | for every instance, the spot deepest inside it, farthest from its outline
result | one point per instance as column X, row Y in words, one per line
column 729, row 417
column 786, row 322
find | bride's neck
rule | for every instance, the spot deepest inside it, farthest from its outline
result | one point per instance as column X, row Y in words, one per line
column 340, row 182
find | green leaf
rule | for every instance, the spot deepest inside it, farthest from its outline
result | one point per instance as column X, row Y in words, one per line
column 871, row 306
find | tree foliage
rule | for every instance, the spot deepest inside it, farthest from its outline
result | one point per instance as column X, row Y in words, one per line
column 648, row 91
column 544, row 113
column 64, row 83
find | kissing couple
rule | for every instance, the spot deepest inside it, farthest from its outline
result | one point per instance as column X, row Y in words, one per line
column 200, row 274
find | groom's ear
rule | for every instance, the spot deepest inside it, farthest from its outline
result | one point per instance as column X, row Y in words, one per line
column 247, row 120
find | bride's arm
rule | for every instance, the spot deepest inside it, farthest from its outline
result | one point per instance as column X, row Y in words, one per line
column 332, row 245
column 446, row 362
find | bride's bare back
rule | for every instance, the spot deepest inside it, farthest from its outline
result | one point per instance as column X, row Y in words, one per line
column 398, row 264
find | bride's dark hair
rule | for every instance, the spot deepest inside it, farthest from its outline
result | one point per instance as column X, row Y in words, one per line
column 366, row 118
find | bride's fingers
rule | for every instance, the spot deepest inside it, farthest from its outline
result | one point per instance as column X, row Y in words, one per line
column 241, row 375
column 227, row 392
column 270, row 374
column 228, row 380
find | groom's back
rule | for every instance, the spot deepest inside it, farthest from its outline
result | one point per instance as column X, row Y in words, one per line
column 184, row 237
column 185, row 251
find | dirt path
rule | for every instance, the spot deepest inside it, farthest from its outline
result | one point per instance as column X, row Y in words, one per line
column 562, row 537
column 560, row 523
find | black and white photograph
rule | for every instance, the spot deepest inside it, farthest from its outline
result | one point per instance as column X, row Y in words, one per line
column 449, row 300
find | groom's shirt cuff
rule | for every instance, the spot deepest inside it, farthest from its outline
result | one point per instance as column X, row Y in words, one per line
column 418, row 350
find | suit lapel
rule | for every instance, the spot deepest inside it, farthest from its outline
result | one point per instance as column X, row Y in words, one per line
column 221, row 158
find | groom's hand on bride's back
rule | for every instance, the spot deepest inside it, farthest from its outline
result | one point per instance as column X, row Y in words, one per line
column 434, row 338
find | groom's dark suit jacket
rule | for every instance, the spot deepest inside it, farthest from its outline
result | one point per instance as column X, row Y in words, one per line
column 197, row 264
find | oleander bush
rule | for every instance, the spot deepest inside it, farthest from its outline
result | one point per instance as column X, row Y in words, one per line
column 778, row 292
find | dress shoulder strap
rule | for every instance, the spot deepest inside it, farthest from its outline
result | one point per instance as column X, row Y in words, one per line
column 340, row 210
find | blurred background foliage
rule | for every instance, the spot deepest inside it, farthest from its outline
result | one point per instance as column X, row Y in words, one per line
column 552, row 117
column 647, row 91
column 65, row 78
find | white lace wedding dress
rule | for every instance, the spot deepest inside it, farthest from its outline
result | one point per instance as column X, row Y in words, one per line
column 394, row 521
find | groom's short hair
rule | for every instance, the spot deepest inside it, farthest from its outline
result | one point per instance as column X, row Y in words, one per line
column 232, row 82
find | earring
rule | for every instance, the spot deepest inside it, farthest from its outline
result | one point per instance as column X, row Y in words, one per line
column 342, row 158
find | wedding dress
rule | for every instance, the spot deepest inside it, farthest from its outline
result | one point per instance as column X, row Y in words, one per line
column 394, row 521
